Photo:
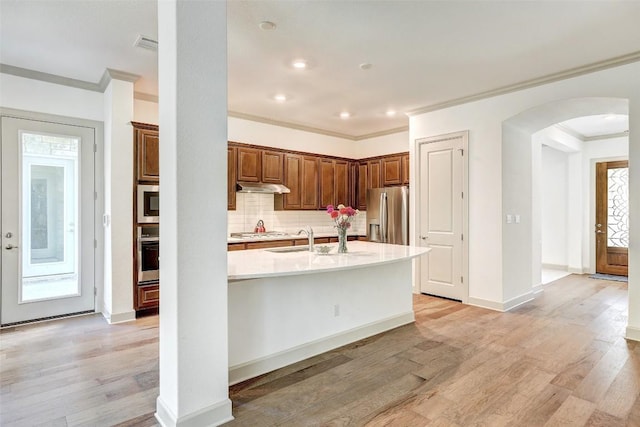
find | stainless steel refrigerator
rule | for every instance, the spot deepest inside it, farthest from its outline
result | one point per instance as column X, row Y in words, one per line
column 388, row 215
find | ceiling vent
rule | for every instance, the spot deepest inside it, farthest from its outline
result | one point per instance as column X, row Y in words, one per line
column 145, row 42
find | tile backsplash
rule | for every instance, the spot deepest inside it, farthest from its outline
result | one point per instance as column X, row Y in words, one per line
column 252, row 207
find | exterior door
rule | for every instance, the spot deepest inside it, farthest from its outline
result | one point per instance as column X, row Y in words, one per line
column 47, row 199
column 441, row 216
column 612, row 217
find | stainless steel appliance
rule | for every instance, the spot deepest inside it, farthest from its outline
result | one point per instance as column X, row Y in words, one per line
column 148, row 253
column 148, row 204
column 388, row 215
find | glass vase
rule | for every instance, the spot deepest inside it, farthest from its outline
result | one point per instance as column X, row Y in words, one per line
column 342, row 240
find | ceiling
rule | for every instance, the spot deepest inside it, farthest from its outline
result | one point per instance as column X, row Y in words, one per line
column 422, row 54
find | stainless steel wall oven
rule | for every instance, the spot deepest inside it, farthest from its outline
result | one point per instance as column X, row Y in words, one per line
column 148, row 253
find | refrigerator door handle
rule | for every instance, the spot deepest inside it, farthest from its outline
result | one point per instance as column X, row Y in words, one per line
column 405, row 216
column 383, row 217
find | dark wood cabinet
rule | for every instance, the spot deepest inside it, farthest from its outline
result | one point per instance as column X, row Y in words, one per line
column 391, row 170
column 327, row 183
column 249, row 164
column 272, row 167
column 148, row 296
column 363, row 185
column 292, row 172
column 231, row 178
column 147, row 146
column 405, row 169
column 309, row 182
column 374, row 173
column 341, row 184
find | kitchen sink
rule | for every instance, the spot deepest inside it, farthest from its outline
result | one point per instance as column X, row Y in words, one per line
column 289, row 249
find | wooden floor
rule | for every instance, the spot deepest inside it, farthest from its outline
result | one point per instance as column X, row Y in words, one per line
column 558, row 360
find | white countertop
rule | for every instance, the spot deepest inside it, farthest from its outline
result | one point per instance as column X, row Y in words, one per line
column 259, row 263
column 267, row 238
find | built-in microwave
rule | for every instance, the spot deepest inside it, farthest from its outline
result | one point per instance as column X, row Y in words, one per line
column 148, row 204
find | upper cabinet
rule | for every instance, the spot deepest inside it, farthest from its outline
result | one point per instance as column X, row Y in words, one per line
column 405, row 169
column 375, row 178
column 272, row 167
column 249, row 164
column 309, row 182
column 301, row 177
column 391, row 170
column 334, row 182
column 147, row 146
column 231, row 178
column 363, row 185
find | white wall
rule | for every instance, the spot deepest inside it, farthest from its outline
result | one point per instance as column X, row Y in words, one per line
column 484, row 119
column 554, row 182
column 42, row 97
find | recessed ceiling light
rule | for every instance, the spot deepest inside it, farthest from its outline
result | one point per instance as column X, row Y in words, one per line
column 280, row 97
column 345, row 115
column 267, row 25
column 299, row 64
column 365, row 66
column 391, row 113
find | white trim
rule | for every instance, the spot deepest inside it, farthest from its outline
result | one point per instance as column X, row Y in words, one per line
column 555, row 266
column 632, row 333
column 112, row 319
column 266, row 364
column 550, row 78
column 506, row 305
column 213, row 415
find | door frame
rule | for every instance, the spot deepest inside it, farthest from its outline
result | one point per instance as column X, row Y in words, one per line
column 416, row 167
column 98, row 170
column 590, row 226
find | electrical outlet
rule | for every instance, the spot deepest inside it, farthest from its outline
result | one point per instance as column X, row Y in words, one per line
column 336, row 310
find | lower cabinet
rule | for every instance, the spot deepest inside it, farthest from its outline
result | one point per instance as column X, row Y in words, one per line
column 148, row 296
column 282, row 243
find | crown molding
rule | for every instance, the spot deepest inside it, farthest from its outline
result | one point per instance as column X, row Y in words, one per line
column 539, row 81
column 110, row 74
column 311, row 129
column 145, row 97
column 382, row 133
column 49, row 78
column 609, row 136
column 571, row 132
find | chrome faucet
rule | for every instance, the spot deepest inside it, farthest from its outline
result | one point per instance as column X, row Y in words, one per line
column 309, row 233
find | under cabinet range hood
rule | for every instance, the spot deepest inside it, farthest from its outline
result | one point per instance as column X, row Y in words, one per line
column 259, row 187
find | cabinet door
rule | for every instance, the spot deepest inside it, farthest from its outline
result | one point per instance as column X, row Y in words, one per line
column 231, row 178
column 147, row 147
column 363, row 185
column 375, row 180
column 341, row 192
column 292, row 179
column 272, row 167
column 309, row 179
column 148, row 296
column 405, row 169
column 327, row 183
column 249, row 164
column 392, row 170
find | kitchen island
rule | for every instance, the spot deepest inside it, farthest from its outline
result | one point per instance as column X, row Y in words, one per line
column 286, row 306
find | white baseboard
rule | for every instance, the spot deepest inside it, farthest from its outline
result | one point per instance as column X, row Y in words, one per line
column 577, row 270
column 213, row 415
column 502, row 306
column 555, row 266
column 114, row 318
column 266, row 364
column 632, row 333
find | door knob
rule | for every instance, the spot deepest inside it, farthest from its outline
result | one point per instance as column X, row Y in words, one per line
column 10, row 246
column 8, row 235
column 424, row 237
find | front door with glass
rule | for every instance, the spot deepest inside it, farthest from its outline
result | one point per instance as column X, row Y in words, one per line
column 47, row 219
column 612, row 217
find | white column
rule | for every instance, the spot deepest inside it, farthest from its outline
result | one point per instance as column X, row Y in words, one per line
column 118, row 207
column 192, row 65
column 633, row 327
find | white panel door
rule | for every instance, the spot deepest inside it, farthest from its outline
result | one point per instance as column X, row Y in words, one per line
column 440, row 203
column 47, row 199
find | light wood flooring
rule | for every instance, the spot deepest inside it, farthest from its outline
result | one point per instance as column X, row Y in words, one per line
column 558, row 360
